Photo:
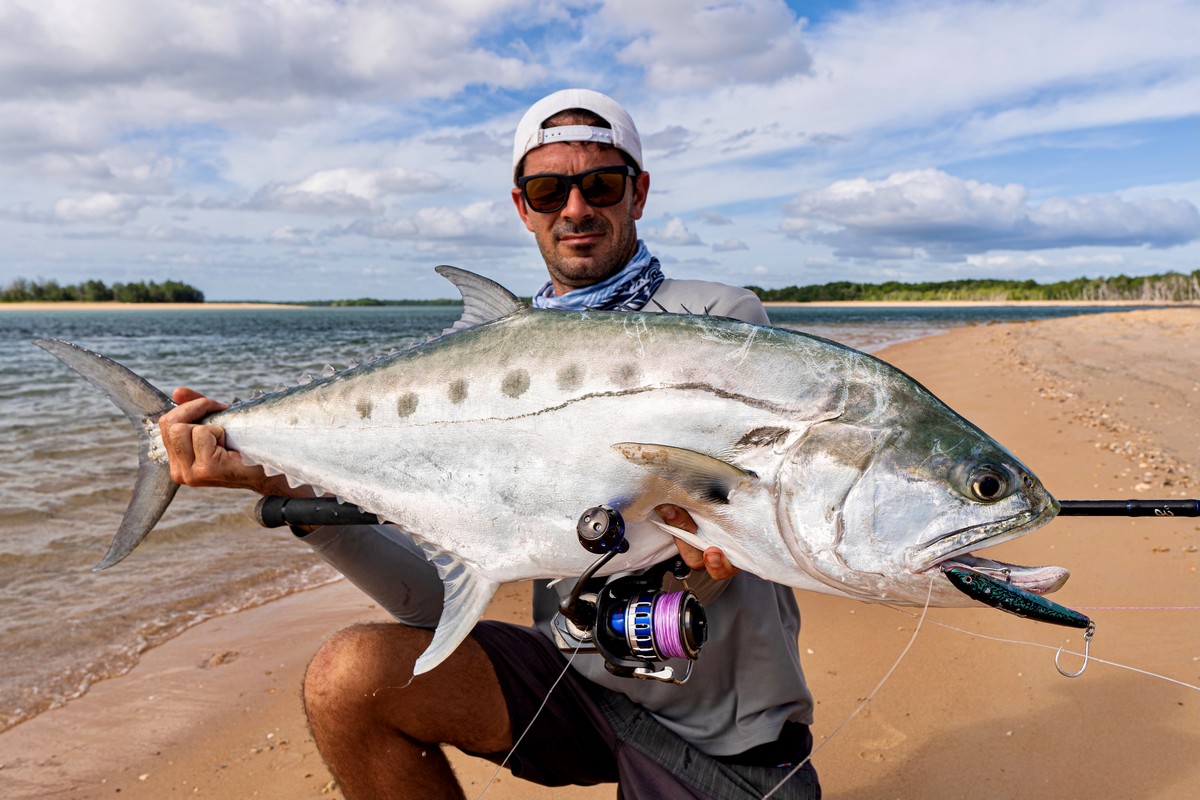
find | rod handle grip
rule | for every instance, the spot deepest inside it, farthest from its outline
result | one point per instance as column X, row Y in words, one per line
column 275, row 512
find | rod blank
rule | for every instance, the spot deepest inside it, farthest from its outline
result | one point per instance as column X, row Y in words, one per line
column 1130, row 508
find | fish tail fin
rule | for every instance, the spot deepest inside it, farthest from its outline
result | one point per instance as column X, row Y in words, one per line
column 143, row 405
column 467, row 596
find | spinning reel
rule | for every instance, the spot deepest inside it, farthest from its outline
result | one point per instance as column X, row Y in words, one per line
column 630, row 621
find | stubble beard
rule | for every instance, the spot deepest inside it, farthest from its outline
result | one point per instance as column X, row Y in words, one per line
column 585, row 270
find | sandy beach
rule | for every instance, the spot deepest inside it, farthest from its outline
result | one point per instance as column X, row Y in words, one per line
column 1100, row 406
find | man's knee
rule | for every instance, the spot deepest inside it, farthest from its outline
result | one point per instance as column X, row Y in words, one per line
column 356, row 662
column 361, row 681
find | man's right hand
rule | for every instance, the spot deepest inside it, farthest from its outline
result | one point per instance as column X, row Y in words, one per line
column 198, row 455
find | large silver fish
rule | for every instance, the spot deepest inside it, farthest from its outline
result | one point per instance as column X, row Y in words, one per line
column 807, row 462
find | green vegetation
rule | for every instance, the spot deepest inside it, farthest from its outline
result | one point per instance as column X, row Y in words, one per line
column 1171, row 286
column 1168, row 287
column 49, row 291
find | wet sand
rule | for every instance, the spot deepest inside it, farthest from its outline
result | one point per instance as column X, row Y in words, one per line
column 1101, row 406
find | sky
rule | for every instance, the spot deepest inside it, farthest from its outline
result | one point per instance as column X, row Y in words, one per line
column 328, row 149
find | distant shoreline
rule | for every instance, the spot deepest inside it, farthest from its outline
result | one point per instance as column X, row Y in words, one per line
column 74, row 306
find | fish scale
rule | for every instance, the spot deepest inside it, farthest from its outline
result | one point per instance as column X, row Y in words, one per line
column 807, row 462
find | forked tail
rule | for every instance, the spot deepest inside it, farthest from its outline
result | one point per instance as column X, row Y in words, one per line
column 143, row 405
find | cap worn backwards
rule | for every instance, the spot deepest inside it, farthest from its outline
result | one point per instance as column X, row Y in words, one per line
column 530, row 134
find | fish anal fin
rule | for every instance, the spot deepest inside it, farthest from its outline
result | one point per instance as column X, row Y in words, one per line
column 703, row 477
column 467, row 594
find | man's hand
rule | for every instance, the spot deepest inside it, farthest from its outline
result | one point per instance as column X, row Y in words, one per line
column 712, row 560
column 198, row 455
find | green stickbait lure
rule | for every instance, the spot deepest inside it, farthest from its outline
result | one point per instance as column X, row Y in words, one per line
column 1007, row 597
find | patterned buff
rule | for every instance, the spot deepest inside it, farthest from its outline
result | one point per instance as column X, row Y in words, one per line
column 628, row 290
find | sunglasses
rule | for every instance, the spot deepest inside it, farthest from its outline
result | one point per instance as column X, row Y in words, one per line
column 547, row 193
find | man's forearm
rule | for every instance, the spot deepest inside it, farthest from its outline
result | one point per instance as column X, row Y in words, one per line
column 388, row 567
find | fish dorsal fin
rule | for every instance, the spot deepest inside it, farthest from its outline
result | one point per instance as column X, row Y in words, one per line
column 484, row 300
column 701, row 476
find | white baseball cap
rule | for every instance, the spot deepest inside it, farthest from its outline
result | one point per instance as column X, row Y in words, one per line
column 530, row 134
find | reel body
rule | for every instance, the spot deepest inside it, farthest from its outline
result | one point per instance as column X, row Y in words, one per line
column 630, row 621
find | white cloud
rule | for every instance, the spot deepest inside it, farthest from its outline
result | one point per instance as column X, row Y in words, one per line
column 675, row 233
column 710, row 217
column 729, row 245
column 295, row 237
column 946, row 77
column 72, row 73
column 345, row 191
column 483, row 223
column 938, row 213
column 683, row 45
column 101, row 207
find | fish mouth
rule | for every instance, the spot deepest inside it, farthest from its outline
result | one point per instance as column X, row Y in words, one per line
column 956, row 548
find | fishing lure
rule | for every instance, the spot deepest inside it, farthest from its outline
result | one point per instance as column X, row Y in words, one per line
column 1007, row 597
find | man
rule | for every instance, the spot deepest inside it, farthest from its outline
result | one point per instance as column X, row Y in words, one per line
column 734, row 730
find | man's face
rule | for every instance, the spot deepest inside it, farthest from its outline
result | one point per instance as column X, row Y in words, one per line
column 583, row 245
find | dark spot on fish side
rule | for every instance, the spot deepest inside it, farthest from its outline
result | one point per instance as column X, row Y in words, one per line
column 626, row 374
column 364, row 407
column 570, row 377
column 515, row 383
column 458, row 391
column 406, row 405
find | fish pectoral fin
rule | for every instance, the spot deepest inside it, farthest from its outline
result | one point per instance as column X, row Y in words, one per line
column 467, row 594
column 702, row 476
column 685, row 536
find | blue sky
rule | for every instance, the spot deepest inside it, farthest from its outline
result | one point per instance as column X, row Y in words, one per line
column 301, row 149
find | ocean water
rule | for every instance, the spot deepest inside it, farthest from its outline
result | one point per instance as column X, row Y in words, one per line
column 68, row 461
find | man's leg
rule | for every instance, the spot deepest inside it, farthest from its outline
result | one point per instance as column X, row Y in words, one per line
column 381, row 738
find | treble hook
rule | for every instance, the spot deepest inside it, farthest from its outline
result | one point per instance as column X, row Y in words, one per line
column 1087, row 646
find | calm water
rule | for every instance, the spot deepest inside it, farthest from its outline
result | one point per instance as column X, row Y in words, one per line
column 68, row 462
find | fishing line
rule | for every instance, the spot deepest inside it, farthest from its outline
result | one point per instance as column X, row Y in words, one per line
column 536, row 714
column 1050, row 647
column 867, row 699
column 1138, row 608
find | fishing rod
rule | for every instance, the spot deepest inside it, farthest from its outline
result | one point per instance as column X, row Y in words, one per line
column 609, row 622
column 275, row 512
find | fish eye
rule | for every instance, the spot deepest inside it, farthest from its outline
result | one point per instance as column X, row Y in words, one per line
column 989, row 484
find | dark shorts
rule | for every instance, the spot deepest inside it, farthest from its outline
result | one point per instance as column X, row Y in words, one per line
column 586, row 734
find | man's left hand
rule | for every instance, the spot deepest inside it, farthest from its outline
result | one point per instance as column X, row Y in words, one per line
column 712, row 560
